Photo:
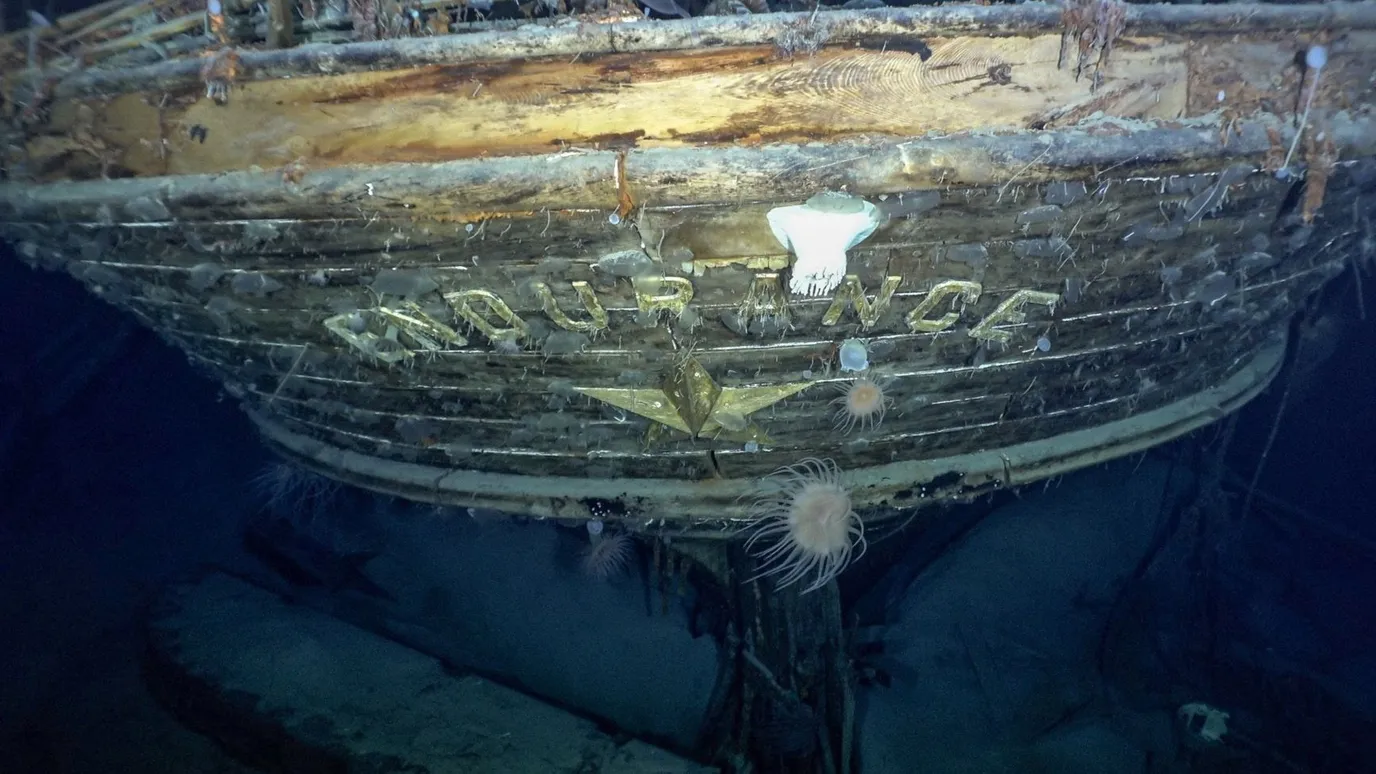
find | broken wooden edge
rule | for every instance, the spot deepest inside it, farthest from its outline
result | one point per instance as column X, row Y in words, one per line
column 674, row 177
column 709, row 507
column 566, row 38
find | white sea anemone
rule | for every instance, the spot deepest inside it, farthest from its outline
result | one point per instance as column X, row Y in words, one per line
column 863, row 403
column 291, row 489
column 607, row 554
column 805, row 526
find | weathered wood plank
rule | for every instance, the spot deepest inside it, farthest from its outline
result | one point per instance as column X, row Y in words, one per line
column 289, row 316
column 925, row 422
column 926, row 412
column 578, row 450
column 1250, row 76
column 874, row 28
column 466, row 191
column 475, row 108
column 710, row 508
column 504, row 253
column 441, row 113
column 281, row 31
column 712, row 237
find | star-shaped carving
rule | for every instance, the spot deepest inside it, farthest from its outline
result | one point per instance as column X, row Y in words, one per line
column 691, row 402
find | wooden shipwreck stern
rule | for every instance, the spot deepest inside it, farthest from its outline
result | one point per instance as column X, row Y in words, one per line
column 532, row 268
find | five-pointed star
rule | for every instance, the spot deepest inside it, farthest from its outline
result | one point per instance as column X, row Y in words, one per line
column 691, row 402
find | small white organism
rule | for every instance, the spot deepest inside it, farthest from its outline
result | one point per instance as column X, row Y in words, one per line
column 818, row 233
column 854, row 355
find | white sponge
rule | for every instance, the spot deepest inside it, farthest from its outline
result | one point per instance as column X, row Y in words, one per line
column 819, row 233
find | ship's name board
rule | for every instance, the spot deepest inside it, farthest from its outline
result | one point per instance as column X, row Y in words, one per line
column 395, row 333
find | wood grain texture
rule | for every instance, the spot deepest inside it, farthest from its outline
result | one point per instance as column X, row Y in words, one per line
column 871, row 28
column 470, row 190
column 674, row 99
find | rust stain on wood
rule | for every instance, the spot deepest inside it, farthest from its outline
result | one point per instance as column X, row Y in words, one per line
column 624, row 202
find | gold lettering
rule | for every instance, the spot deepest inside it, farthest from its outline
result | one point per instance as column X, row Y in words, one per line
column 408, row 330
column 596, row 312
column 919, row 322
column 427, row 332
column 1010, row 312
column 851, row 292
column 765, row 299
column 367, row 342
column 462, row 302
column 663, row 294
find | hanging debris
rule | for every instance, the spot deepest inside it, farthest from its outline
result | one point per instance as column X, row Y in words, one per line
column 219, row 72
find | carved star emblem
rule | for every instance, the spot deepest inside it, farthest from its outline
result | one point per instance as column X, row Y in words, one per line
column 691, row 402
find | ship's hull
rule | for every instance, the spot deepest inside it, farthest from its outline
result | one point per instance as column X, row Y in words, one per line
column 494, row 274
